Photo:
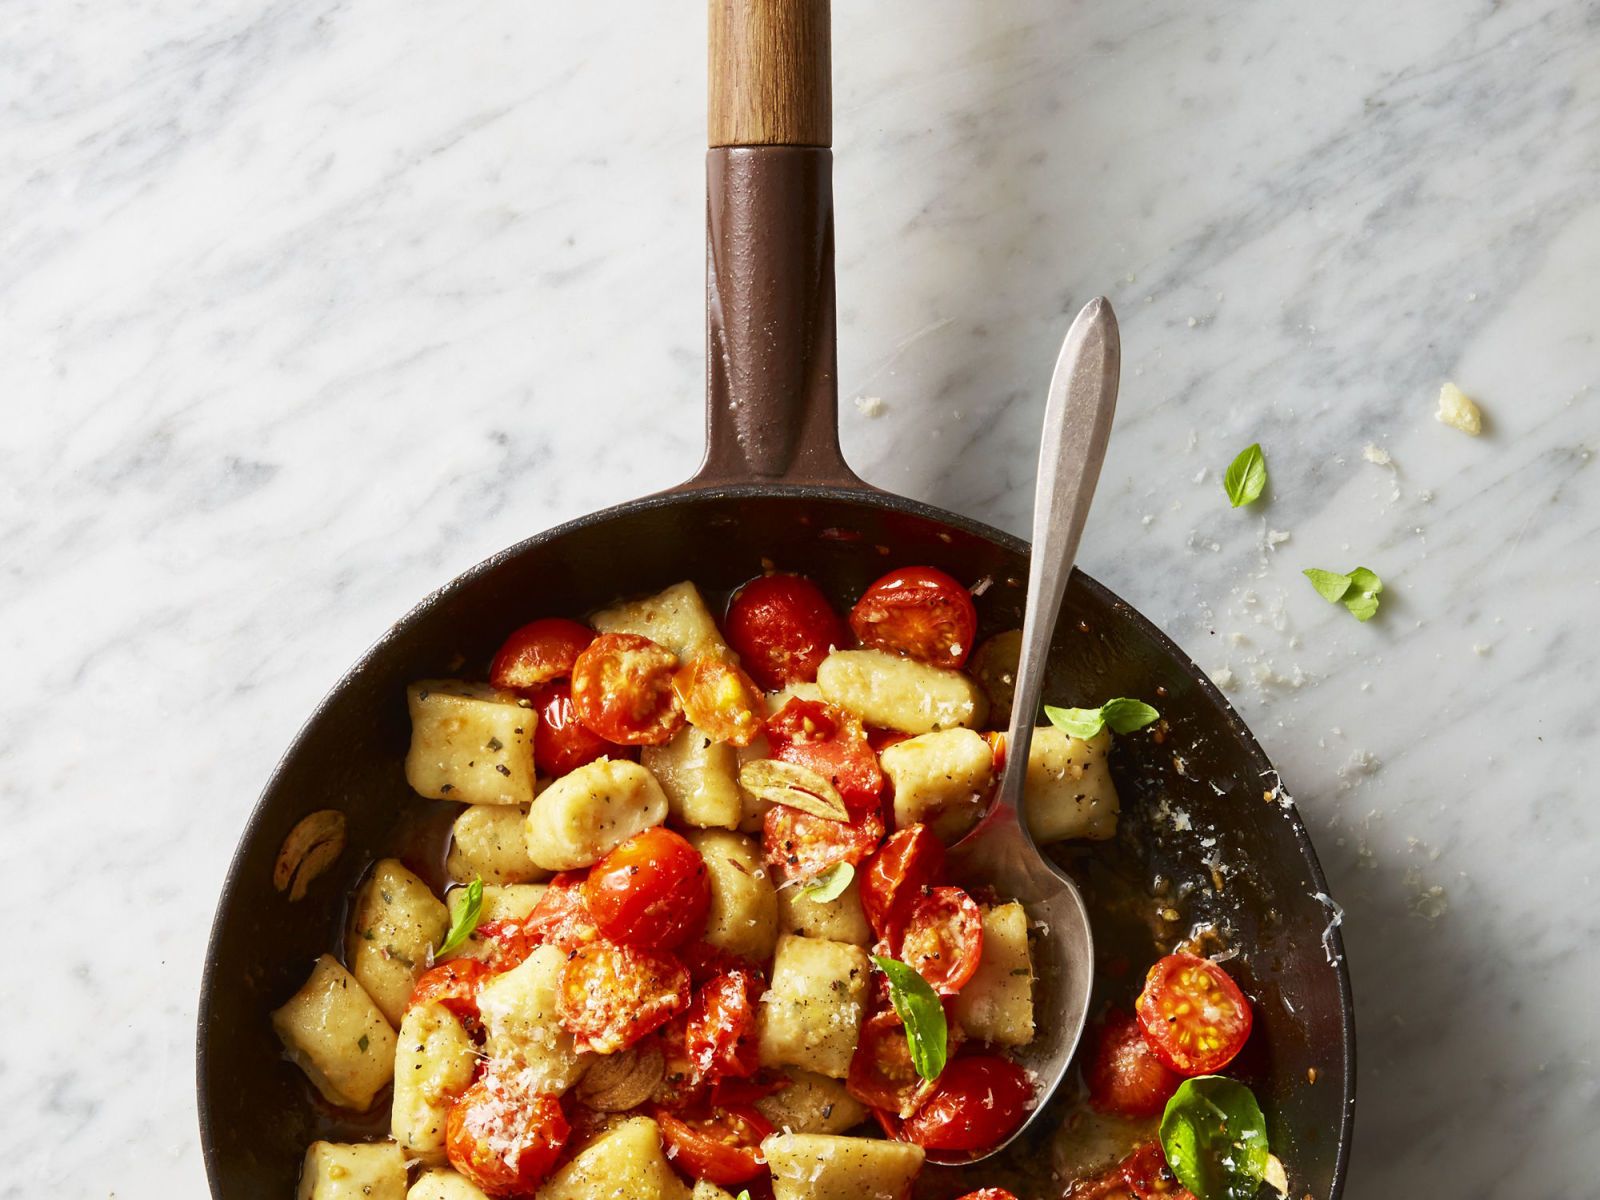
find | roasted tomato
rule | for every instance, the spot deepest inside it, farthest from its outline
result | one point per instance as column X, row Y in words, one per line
column 611, row 996
column 561, row 918
column 782, row 627
column 721, row 1146
column 652, row 891
column 504, row 1139
column 681, row 1085
column 920, row 612
column 978, row 1103
column 882, row 1075
column 540, row 651
column 1193, row 1014
column 801, row 845
column 622, row 690
column 1125, row 1077
column 943, row 938
column 502, row 944
column 721, row 1034
column 1146, row 1175
column 561, row 742
column 720, row 700
column 896, row 876
column 453, row 984
column 831, row 742
column 988, row 1194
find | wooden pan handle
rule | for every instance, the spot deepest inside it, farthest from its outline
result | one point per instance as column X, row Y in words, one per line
column 770, row 73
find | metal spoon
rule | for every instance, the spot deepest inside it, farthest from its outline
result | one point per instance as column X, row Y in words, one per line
column 1000, row 851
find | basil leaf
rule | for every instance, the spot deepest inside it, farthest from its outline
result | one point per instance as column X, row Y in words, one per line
column 1215, row 1138
column 1357, row 591
column 1246, row 476
column 1330, row 586
column 919, row 1007
column 463, row 919
column 830, row 885
column 1122, row 714
column 1076, row 722
column 744, row 1194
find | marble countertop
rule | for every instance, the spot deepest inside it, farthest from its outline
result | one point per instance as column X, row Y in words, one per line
column 304, row 308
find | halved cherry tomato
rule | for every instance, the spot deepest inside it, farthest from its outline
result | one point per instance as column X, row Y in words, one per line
column 502, row 944
column 943, row 938
column 894, row 878
column 540, row 651
column 453, row 984
column 561, row 918
column 882, row 1075
column 920, row 612
column 801, row 845
column 706, row 962
column 1193, row 1014
column 611, row 996
column 978, row 1102
column 1125, row 1077
column 652, row 891
column 561, row 742
column 720, row 700
column 988, row 1194
column 722, row 1146
column 728, row 1092
column 1147, row 1176
column 782, row 627
column 503, row 1138
column 721, row 1034
column 831, row 742
column 681, row 1085
column 622, row 690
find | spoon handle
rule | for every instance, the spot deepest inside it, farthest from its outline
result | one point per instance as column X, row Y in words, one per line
column 1077, row 425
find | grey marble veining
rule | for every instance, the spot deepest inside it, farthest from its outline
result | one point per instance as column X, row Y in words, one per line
column 306, row 308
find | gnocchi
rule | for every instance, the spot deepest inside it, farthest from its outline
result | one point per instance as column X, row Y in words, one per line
column 334, row 1032
column 580, row 817
column 897, row 693
column 395, row 926
column 470, row 742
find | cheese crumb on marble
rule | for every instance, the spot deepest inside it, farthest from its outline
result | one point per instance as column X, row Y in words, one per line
column 1376, row 454
column 1459, row 411
column 870, row 406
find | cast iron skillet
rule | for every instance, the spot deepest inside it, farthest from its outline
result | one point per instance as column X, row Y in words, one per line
column 773, row 487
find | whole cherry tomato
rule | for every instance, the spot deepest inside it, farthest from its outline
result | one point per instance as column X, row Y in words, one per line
column 561, row 742
column 1193, row 1014
column 882, row 1075
column 896, row 876
column 538, row 652
column 720, row 700
column 978, row 1103
column 453, row 984
column 611, row 996
column 721, row 1033
column 782, row 627
column 1125, row 1077
column 943, row 938
column 801, row 844
column 652, row 891
column 622, row 690
column 831, row 742
column 920, row 612
column 1147, row 1176
column 503, row 1138
column 721, row 1146
column 561, row 918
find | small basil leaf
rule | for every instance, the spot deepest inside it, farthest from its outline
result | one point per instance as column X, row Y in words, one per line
column 1362, row 598
column 1246, row 476
column 1125, row 715
column 1076, row 722
column 830, row 885
column 1330, row 585
column 1215, row 1138
column 464, row 919
column 918, row 1006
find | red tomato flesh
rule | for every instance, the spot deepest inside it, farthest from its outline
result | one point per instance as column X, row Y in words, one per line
column 503, row 1138
column 978, row 1102
column 622, row 690
column 896, row 876
column 801, row 845
column 920, row 612
column 453, row 984
column 611, row 996
column 721, row 1033
column 721, row 1146
column 652, row 891
column 561, row 742
column 1145, row 1173
column 882, row 1075
column 561, row 918
column 1125, row 1077
column 831, row 742
column 943, row 938
column 1193, row 1014
column 720, row 700
column 782, row 627
column 538, row 652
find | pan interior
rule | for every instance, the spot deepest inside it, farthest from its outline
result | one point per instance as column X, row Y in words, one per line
column 1199, row 805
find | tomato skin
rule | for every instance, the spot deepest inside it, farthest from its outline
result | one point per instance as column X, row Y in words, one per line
column 453, row 984
column 896, row 875
column 720, row 700
column 882, row 1075
column 721, row 1033
column 1125, row 1077
column 943, row 938
column 978, row 1102
column 611, row 996
column 920, row 612
column 561, row 742
column 652, row 891
column 504, row 1139
column 1145, row 1173
column 722, row 1146
column 561, row 918
column 831, row 742
column 782, row 627
column 1193, row 1014
column 538, row 652
column 622, row 690
column 801, row 845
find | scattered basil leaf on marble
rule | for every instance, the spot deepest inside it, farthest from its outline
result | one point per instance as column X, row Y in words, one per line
column 1122, row 715
column 918, row 1006
column 1215, row 1138
column 830, row 885
column 1246, row 476
column 463, row 919
column 1357, row 591
column 1330, row 585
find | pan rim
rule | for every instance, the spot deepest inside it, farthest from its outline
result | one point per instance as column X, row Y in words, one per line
column 853, row 495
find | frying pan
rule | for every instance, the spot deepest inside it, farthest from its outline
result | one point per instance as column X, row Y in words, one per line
column 1201, row 802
